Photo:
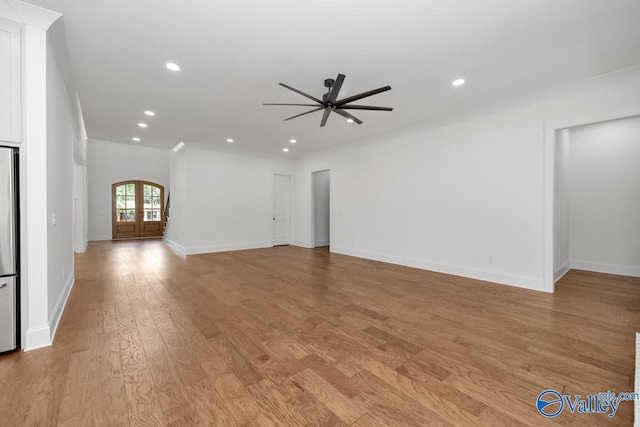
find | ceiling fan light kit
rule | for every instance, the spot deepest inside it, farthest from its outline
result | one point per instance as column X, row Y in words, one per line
column 331, row 104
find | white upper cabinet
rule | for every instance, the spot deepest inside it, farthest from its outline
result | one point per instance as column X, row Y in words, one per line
column 10, row 77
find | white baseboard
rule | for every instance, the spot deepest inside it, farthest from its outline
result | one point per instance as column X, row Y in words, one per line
column 322, row 243
column 561, row 271
column 195, row 250
column 532, row 283
column 600, row 267
column 176, row 247
column 100, row 237
column 55, row 317
column 302, row 244
column 42, row 336
column 37, row 337
column 83, row 248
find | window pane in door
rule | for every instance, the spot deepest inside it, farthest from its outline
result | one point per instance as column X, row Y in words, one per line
column 123, row 215
column 152, row 214
column 131, row 202
column 151, row 202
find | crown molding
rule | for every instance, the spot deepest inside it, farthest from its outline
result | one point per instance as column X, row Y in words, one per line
column 32, row 15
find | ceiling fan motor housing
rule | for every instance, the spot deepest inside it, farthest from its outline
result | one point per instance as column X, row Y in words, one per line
column 331, row 104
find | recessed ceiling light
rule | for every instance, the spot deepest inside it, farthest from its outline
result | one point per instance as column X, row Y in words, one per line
column 293, row 141
column 178, row 147
column 136, row 139
column 458, row 82
column 349, row 120
column 150, row 113
column 285, row 149
column 229, row 140
column 142, row 125
column 173, row 67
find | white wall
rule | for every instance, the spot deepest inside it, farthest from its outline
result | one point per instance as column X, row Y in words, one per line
column 605, row 197
column 49, row 127
column 226, row 201
column 561, row 223
column 465, row 199
column 321, row 207
column 110, row 162
column 60, row 142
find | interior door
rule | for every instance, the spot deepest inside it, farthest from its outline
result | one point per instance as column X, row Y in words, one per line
column 138, row 209
column 281, row 208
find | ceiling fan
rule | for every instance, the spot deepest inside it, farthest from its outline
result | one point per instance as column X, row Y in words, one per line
column 331, row 103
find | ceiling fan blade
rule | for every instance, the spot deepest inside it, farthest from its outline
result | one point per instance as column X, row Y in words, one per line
column 362, row 95
column 366, row 107
column 347, row 115
column 301, row 93
column 307, row 112
column 335, row 89
column 325, row 116
column 297, row 105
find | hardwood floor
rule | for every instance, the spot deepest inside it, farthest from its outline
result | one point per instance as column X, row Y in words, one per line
column 297, row 337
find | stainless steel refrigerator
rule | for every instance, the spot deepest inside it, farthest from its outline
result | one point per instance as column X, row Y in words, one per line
column 9, row 250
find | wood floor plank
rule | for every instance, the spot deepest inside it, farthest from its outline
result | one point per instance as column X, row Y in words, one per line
column 311, row 412
column 296, row 337
column 111, row 403
column 207, row 405
column 368, row 421
column 343, row 407
column 144, row 405
column 80, row 390
column 393, row 406
column 236, row 399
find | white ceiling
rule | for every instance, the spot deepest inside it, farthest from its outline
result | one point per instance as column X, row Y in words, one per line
column 234, row 53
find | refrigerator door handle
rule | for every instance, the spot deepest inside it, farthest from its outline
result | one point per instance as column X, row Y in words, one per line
column 3, row 285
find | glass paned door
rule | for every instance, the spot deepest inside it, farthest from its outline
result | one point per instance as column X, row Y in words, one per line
column 152, row 215
column 152, row 205
column 125, row 202
column 138, row 209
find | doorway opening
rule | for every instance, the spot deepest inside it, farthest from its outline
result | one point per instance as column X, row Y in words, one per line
column 281, row 210
column 137, row 209
column 597, row 198
column 321, row 208
column 555, row 228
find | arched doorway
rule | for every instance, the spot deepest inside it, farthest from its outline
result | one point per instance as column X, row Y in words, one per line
column 137, row 209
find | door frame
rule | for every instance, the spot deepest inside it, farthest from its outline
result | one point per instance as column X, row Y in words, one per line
column 273, row 206
column 550, row 130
